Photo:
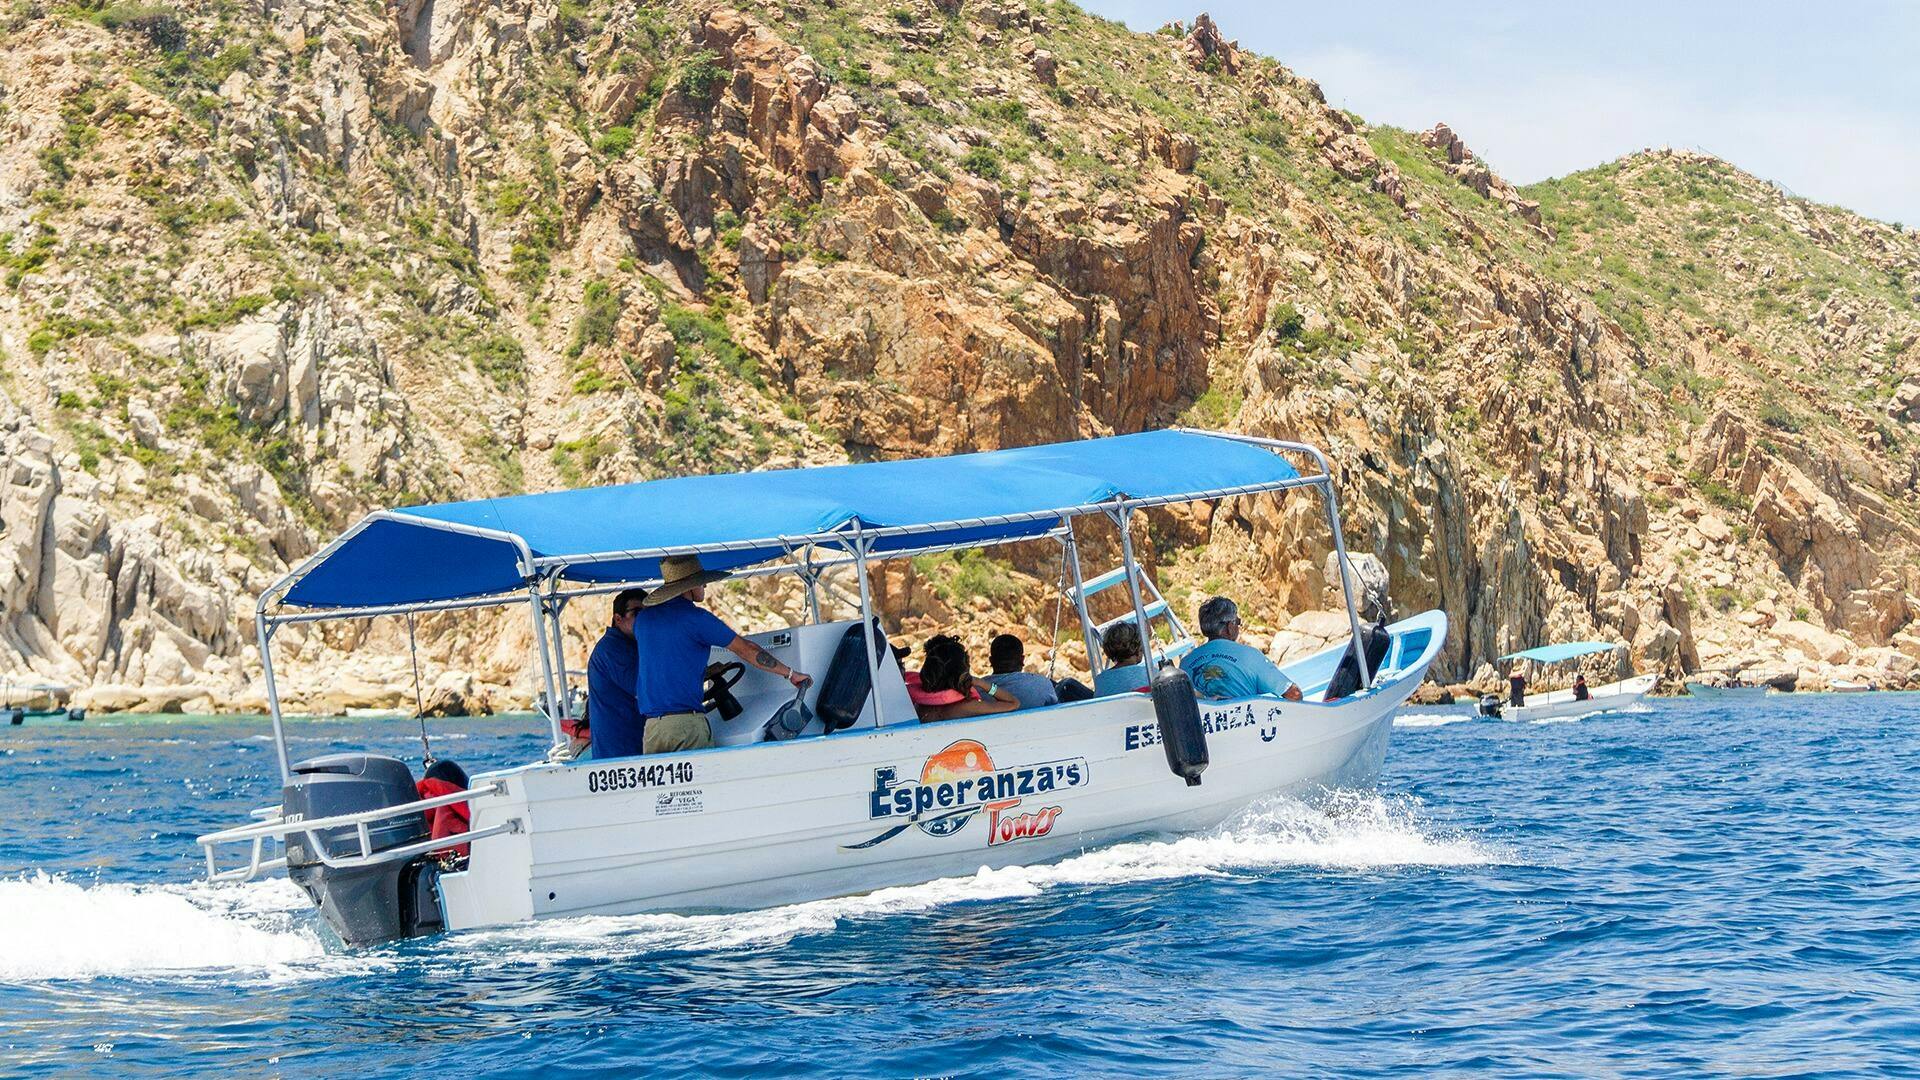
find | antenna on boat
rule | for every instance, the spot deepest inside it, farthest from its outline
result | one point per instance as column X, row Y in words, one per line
column 419, row 709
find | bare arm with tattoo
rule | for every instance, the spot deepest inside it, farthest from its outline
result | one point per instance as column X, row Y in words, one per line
column 764, row 660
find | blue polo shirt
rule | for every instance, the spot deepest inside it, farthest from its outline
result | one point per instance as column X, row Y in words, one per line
column 1227, row 670
column 1121, row 680
column 673, row 641
column 613, row 721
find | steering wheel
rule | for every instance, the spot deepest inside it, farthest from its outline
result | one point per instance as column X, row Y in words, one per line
column 716, row 691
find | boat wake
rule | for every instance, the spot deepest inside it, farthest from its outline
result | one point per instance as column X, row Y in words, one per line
column 1347, row 830
column 1430, row 720
column 61, row 930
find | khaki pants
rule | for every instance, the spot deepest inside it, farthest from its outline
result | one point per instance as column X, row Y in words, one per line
column 676, row 731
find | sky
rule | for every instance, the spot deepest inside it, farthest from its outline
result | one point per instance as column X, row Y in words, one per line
column 1821, row 98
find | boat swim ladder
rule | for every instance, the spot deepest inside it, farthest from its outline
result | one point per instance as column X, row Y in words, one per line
column 1149, row 603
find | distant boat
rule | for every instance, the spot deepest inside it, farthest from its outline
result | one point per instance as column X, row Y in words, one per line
column 14, row 712
column 1705, row 690
column 1562, row 704
column 1848, row 686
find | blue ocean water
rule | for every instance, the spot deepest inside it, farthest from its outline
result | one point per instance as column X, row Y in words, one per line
column 1725, row 887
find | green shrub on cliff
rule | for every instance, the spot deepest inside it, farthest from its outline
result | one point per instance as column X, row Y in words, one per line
column 599, row 315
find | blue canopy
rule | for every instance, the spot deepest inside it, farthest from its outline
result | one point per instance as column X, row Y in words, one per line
column 453, row 551
column 1551, row 654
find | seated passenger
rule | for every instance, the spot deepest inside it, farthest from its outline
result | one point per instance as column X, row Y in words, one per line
column 616, row 730
column 1008, row 655
column 1224, row 669
column 947, row 685
column 1126, row 666
column 672, row 638
column 1580, row 691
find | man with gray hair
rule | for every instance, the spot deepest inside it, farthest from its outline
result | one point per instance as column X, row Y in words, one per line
column 1223, row 669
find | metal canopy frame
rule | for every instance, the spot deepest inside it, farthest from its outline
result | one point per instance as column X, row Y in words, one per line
column 543, row 576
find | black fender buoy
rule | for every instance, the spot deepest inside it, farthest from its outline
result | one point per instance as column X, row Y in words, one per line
column 1181, row 730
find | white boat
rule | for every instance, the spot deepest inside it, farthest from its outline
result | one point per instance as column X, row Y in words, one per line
column 1562, row 704
column 26, row 700
column 1848, row 686
column 886, row 800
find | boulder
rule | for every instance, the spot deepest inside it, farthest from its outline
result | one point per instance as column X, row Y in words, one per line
column 254, row 357
column 1371, row 587
column 452, row 695
column 1045, row 68
column 1816, row 642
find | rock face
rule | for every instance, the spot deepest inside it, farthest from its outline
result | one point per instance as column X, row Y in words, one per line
column 448, row 250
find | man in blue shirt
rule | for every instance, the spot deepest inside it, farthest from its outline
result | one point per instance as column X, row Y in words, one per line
column 1008, row 655
column 1223, row 669
column 613, row 719
column 673, row 636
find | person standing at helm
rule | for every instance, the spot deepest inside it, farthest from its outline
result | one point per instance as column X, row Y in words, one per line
column 673, row 636
column 1225, row 669
column 615, row 727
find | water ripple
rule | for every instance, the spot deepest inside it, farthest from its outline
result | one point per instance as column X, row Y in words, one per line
column 1696, row 888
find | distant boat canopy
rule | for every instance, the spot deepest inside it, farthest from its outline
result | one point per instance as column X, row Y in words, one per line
column 598, row 536
column 1553, row 654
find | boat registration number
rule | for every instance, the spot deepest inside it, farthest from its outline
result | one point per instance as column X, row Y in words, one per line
column 629, row 777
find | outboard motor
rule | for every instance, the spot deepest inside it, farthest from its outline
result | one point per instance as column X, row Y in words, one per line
column 1489, row 705
column 367, row 904
column 16, row 716
column 1181, row 730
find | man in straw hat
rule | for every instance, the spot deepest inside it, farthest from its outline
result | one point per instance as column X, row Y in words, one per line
column 672, row 636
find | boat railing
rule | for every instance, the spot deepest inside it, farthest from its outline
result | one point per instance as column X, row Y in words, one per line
column 273, row 828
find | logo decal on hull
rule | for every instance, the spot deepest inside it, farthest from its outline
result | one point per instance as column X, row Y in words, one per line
column 1213, row 721
column 960, row 783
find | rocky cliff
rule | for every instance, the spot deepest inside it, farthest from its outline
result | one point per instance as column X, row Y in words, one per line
column 267, row 267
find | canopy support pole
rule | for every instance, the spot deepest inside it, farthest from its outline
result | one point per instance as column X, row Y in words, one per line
column 1124, row 519
column 265, row 635
column 1091, row 639
column 542, row 647
column 866, row 625
column 1346, row 574
column 810, row 577
column 554, row 605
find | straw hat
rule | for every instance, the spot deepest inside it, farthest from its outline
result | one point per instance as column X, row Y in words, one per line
column 678, row 574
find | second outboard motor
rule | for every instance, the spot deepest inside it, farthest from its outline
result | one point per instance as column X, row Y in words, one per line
column 1489, row 705
column 364, row 903
column 1182, row 731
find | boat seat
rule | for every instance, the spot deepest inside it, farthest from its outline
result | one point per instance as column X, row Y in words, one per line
column 810, row 649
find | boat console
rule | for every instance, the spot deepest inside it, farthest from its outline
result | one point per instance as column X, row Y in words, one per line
column 811, row 649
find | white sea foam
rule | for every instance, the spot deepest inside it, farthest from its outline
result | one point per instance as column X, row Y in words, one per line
column 1429, row 719
column 59, row 929
column 1357, row 831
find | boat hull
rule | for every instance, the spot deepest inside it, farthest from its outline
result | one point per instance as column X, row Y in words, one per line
column 748, row 827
